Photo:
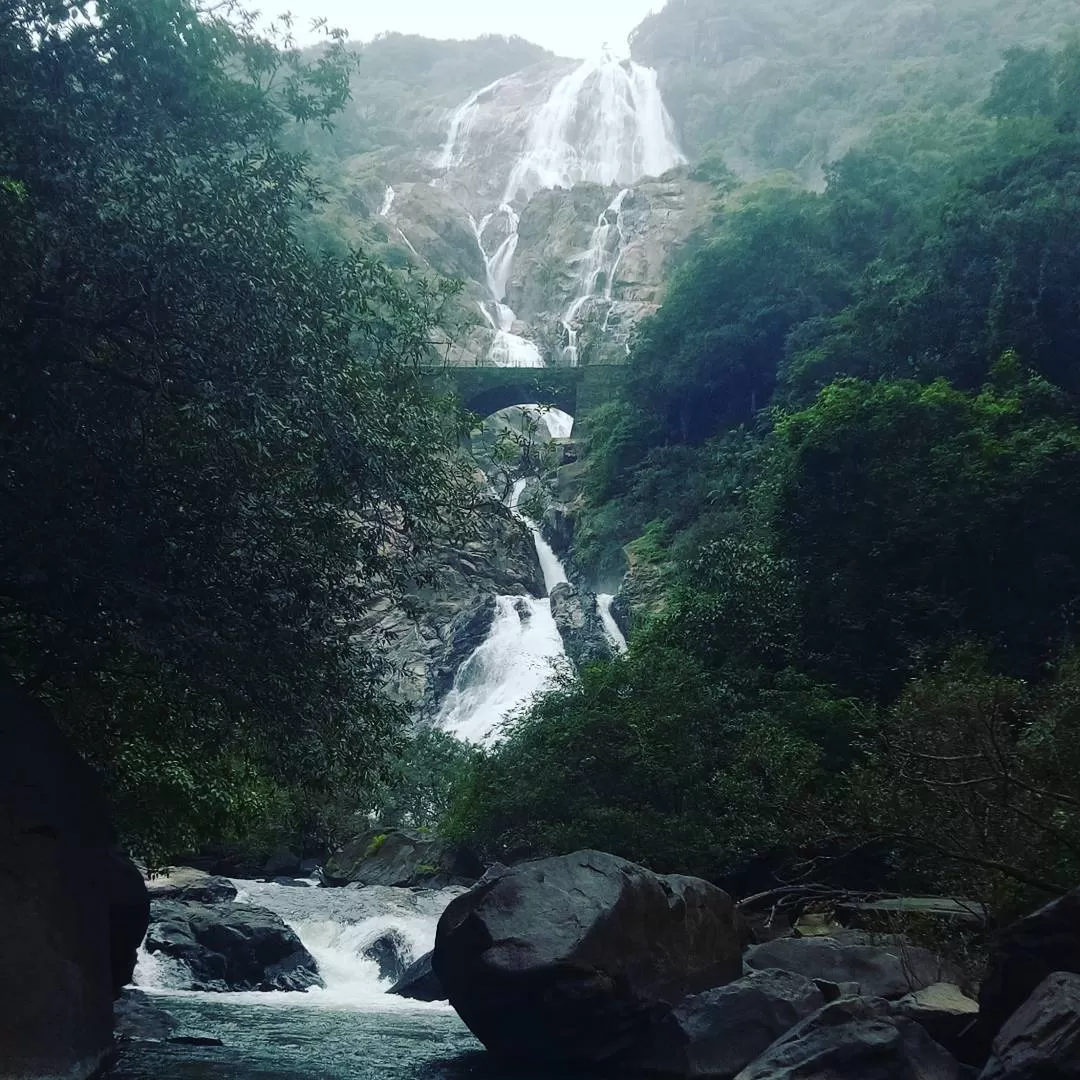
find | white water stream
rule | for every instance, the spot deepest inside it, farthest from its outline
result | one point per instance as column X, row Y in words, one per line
column 519, row 659
column 604, row 123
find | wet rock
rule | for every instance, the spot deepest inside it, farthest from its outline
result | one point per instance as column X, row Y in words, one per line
column 138, row 1018
column 887, row 971
column 210, row 890
column 855, row 1039
column 721, row 1031
column 573, row 959
column 575, row 613
column 1041, row 1040
column 419, row 982
column 228, row 947
column 401, row 859
column 196, row 1040
column 466, row 633
column 71, row 907
column 1025, row 953
column 391, row 953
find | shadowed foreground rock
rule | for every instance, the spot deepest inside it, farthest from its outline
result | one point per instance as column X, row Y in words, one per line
column 721, row 1031
column 574, row 959
column 1041, row 1041
column 72, row 910
column 855, row 1039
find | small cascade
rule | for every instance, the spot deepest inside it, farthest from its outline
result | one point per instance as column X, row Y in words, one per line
column 388, row 201
column 336, row 926
column 507, row 349
column 601, row 260
column 518, row 660
column 611, row 627
column 461, row 123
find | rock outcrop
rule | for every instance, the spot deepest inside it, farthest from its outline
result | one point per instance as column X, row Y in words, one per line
column 401, row 859
column 1025, row 953
column 227, row 947
column 860, row 1038
column 885, row 971
column 1041, row 1041
column 720, row 1032
column 576, row 958
column 391, row 953
column 578, row 620
column 72, row 910
column 419, row 982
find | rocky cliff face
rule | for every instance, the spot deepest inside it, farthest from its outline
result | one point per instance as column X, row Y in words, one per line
column 511, row 187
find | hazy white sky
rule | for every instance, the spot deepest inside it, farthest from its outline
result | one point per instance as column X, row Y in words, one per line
column 576, row 28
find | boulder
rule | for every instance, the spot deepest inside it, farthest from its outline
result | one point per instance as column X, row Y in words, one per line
column 419, row 982
column 391, row 953
column 210, row 890
column 231, row 947
column 578, row 619
column 1023, row 954
column 281, row 863
column 573, row 959
column 1041, row 1040
column 720, row 1032
column 857, row 1038
column 401, row 859
column 949, row 1017
column 887, row 971
column 72, row 910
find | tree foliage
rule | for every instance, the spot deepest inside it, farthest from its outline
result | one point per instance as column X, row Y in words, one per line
column 215, row 447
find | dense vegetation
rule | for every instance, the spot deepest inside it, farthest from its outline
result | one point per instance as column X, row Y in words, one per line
column 845, row 474
column 215, row 446
column 794, row 84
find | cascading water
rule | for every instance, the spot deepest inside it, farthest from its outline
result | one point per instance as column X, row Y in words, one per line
column 388, row 201
column 518, row 660
column 599, row 262
column 611, row 628
column 604, row 123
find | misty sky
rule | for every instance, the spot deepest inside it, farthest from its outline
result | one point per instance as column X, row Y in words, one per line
column 576, row 28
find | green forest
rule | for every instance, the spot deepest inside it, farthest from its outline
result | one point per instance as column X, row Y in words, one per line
column 844, row 475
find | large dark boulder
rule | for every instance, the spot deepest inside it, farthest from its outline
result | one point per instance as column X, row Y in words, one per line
column 210, row 890
column 1023, row 954
column 72, row 910
column 402, row 859
column 574, row 959
column 887, row 970
column 949, row 1017
column 1041, row 1040
column 419, row 982
column 231, row 947
column 855, row 1039
column 721, row 1031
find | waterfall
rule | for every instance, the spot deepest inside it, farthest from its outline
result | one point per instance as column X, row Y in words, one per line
column 461, row 122
column 611, row 627
column 604, row 123
column 335, row 926
column 601, row 260
column 518, row 660
column 388, row 201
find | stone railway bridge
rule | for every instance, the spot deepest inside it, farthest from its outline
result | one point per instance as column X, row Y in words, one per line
column 574, row 390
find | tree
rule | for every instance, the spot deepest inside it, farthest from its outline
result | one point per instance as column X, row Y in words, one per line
column 216, row 449
column 919, row 517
